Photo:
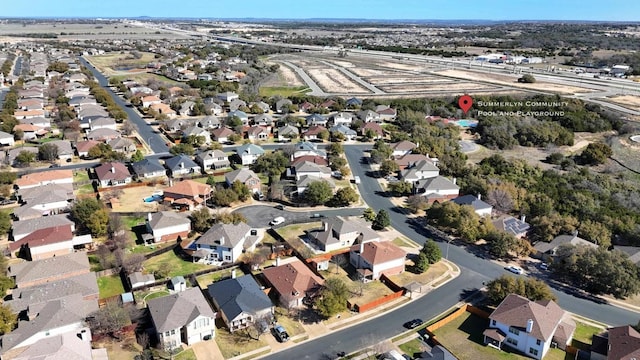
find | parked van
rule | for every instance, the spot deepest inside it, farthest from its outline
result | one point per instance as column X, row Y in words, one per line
column 356, row 179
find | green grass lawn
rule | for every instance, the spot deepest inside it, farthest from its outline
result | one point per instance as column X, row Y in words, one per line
column 94, row 263
column 292, row 326
column 583, row 335
column 109, row 286
column 177, row 265
column 146, row 295
column 292, row 232
column 412, row 347
column 80, row 176
column 284, row 91
column 186, row 355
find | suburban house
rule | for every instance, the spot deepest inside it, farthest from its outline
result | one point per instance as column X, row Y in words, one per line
column 386, row 113
column 122, row 145
column 410, row 160
column 222, row 134
column 48, row 242
column 138, row 279
column 343, row 118
column 209, row 122
column 182, row 317
column 303, row 182
column 20, row 229
column 65, row 150
column 313, row 133
column 258, row 133
column 83, row 147
column 369, row 116
column 337, row 233
column 103, row 134
column 163, row 109
column 402, row 148
column 343, row 131
column 196, row 132
column 548, row 249
column 113, row 174
column 181, row 165
column 30, row 132
column 374, row 258
column 316, row 119
column 187, row 194
column 76, row 344
column 167, row 226
column 102, row 123
column 529, row 327
column 212, row 160
column 263, row 120
column 305, row 148
column 236, row 104
column 43, row 178
column 479, row 207
column 6, row 139
column 373, row 129
column 225, row 242
column 241, row 302
column 617, row 343
column 285, row 133
column 438, row 188
column 293, row 282
column 249, row 153
column 32, row 273
column 353, row 102
column 282, row 103
column 423, row 169
column 147, row 101
column 245, row 176
column 310, row 158
column 241, row 115
column 148, row 168
column 44, row 200
column 513, row 226
column 308, row 168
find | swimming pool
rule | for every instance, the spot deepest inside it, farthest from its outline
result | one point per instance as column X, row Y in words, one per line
column 467, row 123
column 152, row 198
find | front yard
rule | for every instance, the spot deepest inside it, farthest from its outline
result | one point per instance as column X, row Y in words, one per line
column 407, row 277
column 175, row 264
column 463, row 338
column 237, row 343
column 109, row 286
column 292, row 326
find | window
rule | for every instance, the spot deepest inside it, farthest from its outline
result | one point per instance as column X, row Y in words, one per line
column 513, row 342
column 533, row 351
column 227, row 258
column 538, row 342
column 493, row 323
column 514, row 331
column 173, row 332
column 166, row 334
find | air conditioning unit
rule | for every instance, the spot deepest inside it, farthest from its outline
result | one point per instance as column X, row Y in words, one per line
column 554, row 345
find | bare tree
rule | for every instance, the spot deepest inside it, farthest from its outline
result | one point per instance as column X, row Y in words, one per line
column 339, row 261
column 115, row 223
column 132, row 262
column 259, row 326
column 104, row 256
column 143, row 340
column 109, row 319
column 500, row 199
column 128, row 128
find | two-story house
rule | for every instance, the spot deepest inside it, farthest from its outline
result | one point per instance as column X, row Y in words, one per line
column 181, row 165
column 245, row 176
column 372, row 259
column 167, row 226
column 249, row 153
column 182, row 317
column 225, row 242
column 337, row 232
column 529, row 326
column 212, row 160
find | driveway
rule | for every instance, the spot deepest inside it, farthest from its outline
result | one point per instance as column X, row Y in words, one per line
column 207, row 350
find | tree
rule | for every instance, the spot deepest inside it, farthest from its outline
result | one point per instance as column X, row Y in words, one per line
column 5, row 223
column 108, row 319
column 48, row 152
column 25, row 158
column 501, row 243
column 182, row 148
column 369, row 214
column 224, row 197
column 333, row 297
column 229, row 218
column 532, row 289
column 388, row 167
column 381, row 221
column 272, row 164
column 318, row 192
column 527, row 78
column 596, row 153
column 432, row 251
column 335, row 149
column 90, row 212
column 344, row 197
column 201, row 220
column 137, row 156
column 400, row 188
column 7, row 177
column 241, row 190
column 97, row 222
column 8, row 319
column 133, row 262
column 417, row 203
column 421, row 263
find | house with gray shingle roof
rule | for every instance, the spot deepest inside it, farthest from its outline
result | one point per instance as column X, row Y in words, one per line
column 549, row 248
column 305, row 148
column 65, row 151
column 74, row 345
column 438, row 188
column 148, row 168
column 182, row 317
column 123, row 145
column 528, row 326
column 249, row 153
column 479, row 207
column 423, row 169
column 212, row 160
column 31, row 273
column 338, row 232
column 167, row 226
column 245, row 176
column 138, row 279
column 181, row 165
column 23, row 228
column 197, row 131
column 288, row 132
column 241, row 302
column 226, row 242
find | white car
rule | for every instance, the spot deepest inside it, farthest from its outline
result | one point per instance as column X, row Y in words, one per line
column 277, row 221
column 515, row 269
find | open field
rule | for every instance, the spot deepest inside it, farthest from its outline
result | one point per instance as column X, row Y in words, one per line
column 628, row 101
column 145, row 78
column 332, row 80
column 83, row 31
column 110, row 63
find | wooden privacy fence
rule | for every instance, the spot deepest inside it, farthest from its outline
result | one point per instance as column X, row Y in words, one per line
column 375, row 303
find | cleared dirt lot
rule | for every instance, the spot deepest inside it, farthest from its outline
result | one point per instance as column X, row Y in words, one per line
column 628, row 101
column 332, row 80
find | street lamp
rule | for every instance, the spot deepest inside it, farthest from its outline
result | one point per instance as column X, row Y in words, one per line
column 448, row 243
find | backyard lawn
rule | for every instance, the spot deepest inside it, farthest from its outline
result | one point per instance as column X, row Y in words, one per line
column 171, row 261
column 109, row 286
column 237, row 343
column 293, row 232
column 583, row 335
column 206, row 279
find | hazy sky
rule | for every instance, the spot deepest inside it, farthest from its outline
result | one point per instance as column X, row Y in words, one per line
column 614, row 10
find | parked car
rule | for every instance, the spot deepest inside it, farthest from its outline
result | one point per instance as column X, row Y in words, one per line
column 280, row 333
column 413, row 323
column 316, row 216
column 279, row 207
column 514, row 269
column 544, row 266
column 356, row 180
column 8, row 202
column 53, row 166
column 277, row 221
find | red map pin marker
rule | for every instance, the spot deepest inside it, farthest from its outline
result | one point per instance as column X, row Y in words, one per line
column 465, row 103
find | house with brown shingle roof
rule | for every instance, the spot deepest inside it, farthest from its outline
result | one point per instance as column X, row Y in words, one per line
column 402, row 148
column 372, row 259
column 618, row 343
column 45, row 177
column 529, row 326
column 313, row 132
column 113, row 174
column 44, row 243
column 293, row 282
column 187, row 193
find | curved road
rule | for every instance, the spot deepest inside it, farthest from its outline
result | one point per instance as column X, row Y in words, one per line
column 474, row 271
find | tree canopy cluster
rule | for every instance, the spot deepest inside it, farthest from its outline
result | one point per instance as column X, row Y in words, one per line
column 532, row 289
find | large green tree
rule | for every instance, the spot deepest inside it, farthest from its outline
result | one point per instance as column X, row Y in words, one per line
column 272, row 164
column 318, row 192
column 91, row 215
column 344, row 197
column 381, row 221
column 333, row 297
column 8, row 319
column 532, row 289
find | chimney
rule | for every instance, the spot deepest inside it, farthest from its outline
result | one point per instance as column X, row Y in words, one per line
column 529, row 325
column 182, row 165
column 325, row 226
column 278, row 261
column 455, row 181
column 149, row 217
column 233, row 273
column 361, row 248
column 113, row 169
column 575, row 233
column 221, row 241
column 479, row 196
column 523, row 218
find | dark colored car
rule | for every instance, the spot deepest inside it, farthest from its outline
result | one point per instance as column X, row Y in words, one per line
column 53, row 166
column 413, row 323
column 317, row 216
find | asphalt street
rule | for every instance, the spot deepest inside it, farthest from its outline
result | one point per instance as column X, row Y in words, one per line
column 474, row 271
column 154, row 140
